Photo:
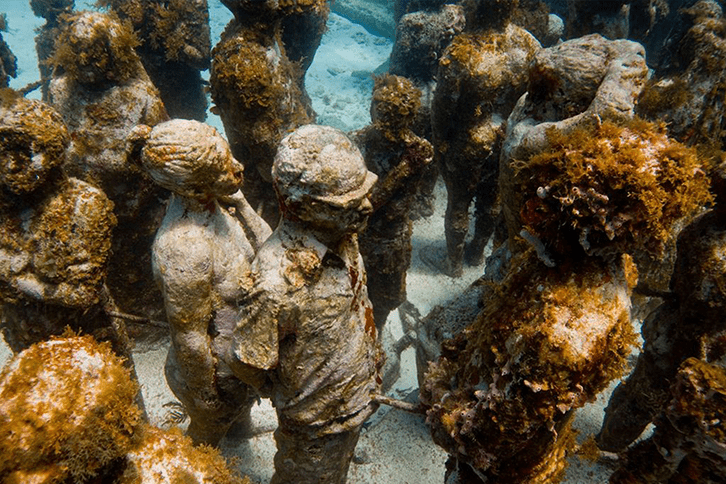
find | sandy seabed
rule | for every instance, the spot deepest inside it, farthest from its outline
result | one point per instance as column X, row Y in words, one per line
column 396, row 448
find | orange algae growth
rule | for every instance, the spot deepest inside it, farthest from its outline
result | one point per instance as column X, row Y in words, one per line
column 167, row 456
column 66, row 410
column 547, row 341
column 93, row 40
column 610, row 189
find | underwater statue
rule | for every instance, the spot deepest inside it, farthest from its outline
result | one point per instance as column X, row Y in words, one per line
column 259, row 91
column 687, row 91
column 575, row 84
column 421, row 38
column 175, row 47
column 687, row 444
column 8, row 62
column 590, row 189
column 691, row 314
column 481, row 75
column 102, row 91
column 55, row 240
column 53, row 11
column 306, row 336
column 399, row 157
column 68, row 414
column 201, row 259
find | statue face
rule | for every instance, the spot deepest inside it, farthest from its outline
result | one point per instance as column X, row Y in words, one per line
column 230, row 177
column 338, row 219
column 93, row 65
column 21, row 169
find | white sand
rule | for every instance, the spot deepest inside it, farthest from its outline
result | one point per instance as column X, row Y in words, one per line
column 396, row 448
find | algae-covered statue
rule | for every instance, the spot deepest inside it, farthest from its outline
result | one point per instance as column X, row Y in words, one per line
column 557, row 329
column 201, row 260
column 175, row 47
column 307, row 337
column 400, row 158
column 678, row 329
column 54, row 12
column 68, row 414
column 102, row 91
column 55, row 239
column 258, row 90
column 8, row 62
column 481, row 75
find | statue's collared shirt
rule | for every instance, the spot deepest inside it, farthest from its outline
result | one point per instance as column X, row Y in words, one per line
column 309, row 321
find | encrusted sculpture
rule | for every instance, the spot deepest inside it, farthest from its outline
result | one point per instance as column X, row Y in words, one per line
column 201, row 258
column 676, row 330
column 175, row 47
column 101, row 90
column 481, row 75
column 8, row 62
column 53, row 11
column 67, row 414
column 557, row 329
column 687, row 94
column 258, row 91
column 307, row 337
column 394, row 153
column 55, row 239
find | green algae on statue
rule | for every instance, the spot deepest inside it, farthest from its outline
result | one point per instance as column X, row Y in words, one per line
column 201, row 259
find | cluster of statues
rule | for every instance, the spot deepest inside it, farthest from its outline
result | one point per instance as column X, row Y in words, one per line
column 275, row 256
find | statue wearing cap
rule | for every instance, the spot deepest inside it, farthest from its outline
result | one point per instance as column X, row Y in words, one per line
column 306, row 336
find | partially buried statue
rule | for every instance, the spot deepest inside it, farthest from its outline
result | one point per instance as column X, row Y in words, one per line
column 201, row 259
column 102, row 91
column 55, row 238
column 306, row 336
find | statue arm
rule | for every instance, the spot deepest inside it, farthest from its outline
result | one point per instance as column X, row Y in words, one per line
column 183, row 268
column 416, row 156
column 254, row 226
